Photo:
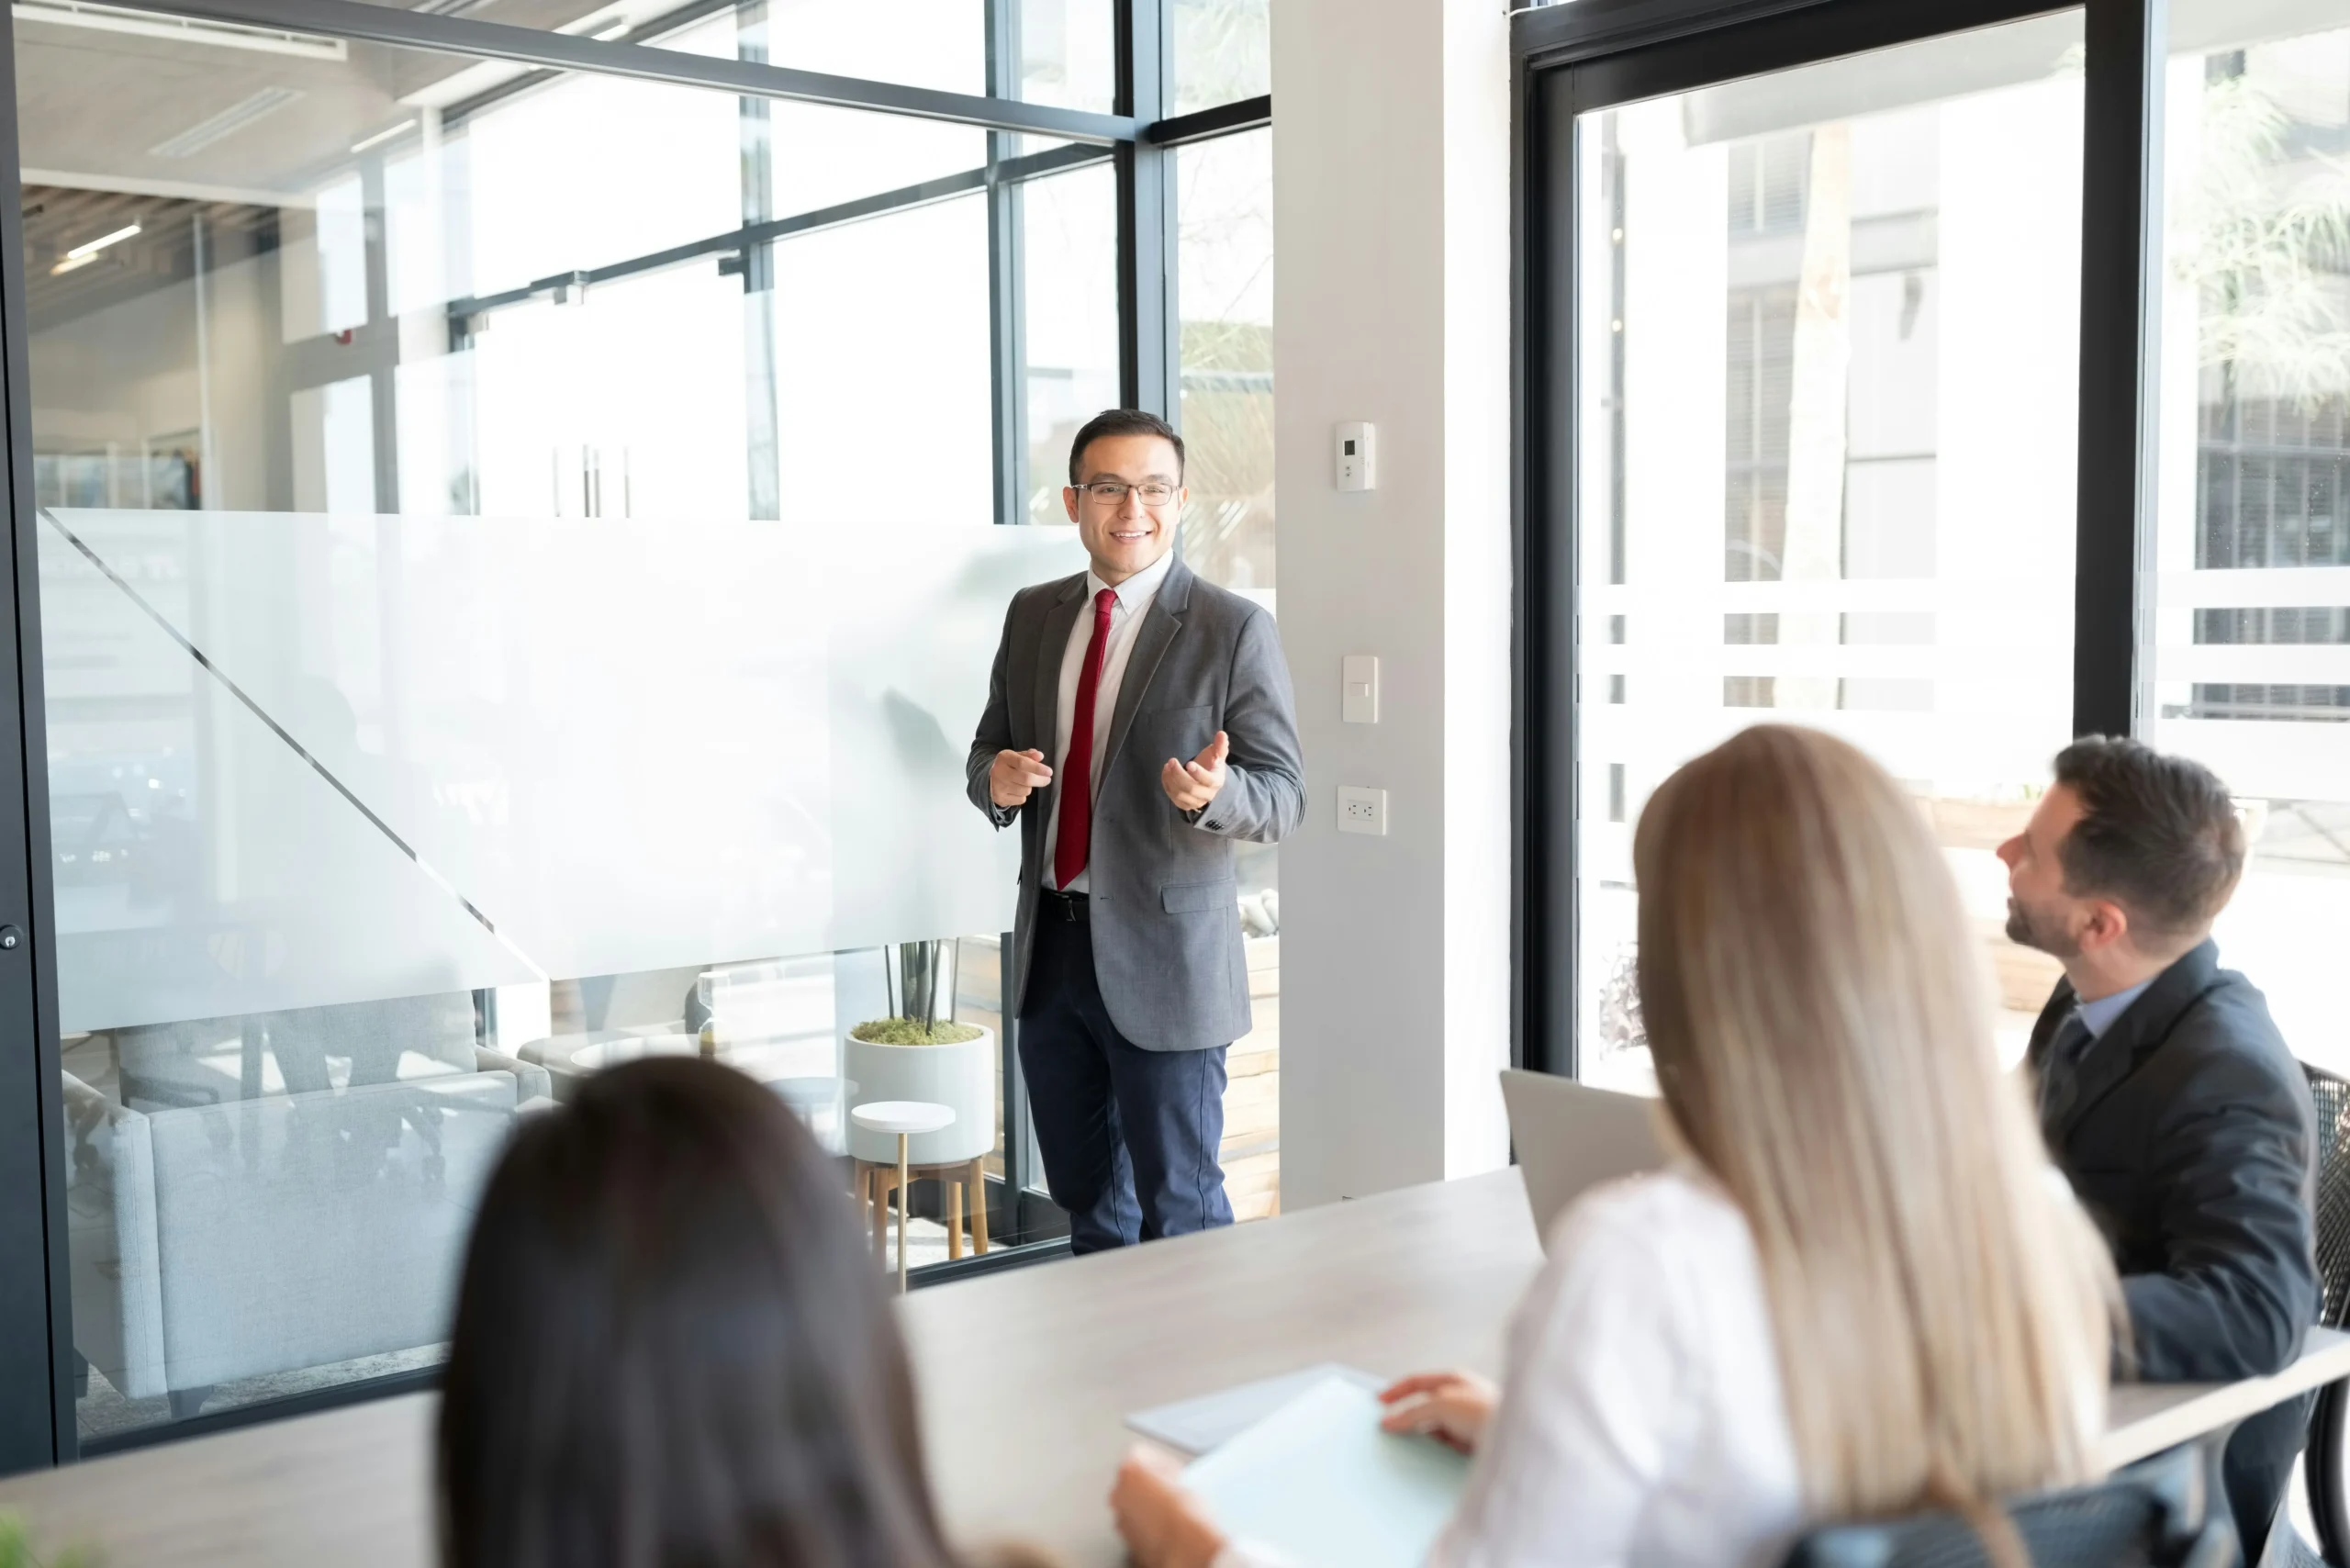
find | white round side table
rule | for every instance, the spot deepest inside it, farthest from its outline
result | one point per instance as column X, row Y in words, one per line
column 905, row 1118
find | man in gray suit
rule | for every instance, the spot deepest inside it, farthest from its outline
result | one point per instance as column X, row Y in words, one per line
column 1170, row 699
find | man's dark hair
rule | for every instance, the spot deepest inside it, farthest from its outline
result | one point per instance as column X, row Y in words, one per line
column 1121, row 422
column 2158, row 836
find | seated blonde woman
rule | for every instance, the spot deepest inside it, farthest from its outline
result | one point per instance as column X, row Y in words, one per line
column 1859, row 1291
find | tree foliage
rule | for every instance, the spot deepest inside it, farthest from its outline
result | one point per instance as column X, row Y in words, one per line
column 2266, row 242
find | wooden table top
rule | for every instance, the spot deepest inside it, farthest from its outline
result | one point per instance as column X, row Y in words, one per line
column 1026, row 1378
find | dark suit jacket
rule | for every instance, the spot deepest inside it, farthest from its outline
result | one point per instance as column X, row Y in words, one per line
column 2191, row 1142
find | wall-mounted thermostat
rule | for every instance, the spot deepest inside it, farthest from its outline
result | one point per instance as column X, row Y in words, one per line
column 1357, row 453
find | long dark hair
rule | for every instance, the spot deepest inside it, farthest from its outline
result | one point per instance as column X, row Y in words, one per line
column 673, row 1350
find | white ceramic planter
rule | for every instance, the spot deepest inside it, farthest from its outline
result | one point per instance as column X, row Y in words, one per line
column 960, row 1077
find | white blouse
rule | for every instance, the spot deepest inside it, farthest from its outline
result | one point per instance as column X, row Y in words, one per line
column 1642, row 1423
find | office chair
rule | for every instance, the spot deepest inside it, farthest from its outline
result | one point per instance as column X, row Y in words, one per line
column 2323, row 1462
column 2151, row 1515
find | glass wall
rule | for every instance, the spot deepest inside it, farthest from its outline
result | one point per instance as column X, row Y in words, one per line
column 517, row 589
column 1825, row 430
column 2251, row 627
column 1225, row 283
column 1064, row 48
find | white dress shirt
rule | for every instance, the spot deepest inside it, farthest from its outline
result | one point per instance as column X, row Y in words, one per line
column 1134, row 599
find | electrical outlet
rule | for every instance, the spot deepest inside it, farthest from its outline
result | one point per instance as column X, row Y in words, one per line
column 1363, row 810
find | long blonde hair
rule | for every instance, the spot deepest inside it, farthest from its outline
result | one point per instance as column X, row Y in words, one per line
column 1819, row 1016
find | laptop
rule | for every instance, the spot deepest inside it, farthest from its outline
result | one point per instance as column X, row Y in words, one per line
column 1571, row 1138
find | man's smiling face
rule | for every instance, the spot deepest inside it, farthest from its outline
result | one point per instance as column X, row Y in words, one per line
column 1130, row 534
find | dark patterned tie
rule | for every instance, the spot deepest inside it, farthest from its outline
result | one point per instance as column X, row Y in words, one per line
column 2060, row 1074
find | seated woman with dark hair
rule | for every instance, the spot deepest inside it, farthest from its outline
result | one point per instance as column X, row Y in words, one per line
column 673, row 1349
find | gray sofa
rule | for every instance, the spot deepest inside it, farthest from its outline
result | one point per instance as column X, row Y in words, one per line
column 260, row 1234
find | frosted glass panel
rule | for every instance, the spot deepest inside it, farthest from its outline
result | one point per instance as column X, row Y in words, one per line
column 489, row 751
column 202, row 867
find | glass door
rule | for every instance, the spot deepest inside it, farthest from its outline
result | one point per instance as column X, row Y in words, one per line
column 2251, row 622
column 1823, row 324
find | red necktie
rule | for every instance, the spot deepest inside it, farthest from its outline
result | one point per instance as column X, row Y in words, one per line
column 1077, row 767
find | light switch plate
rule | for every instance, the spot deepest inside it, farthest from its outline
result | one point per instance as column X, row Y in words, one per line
column 1358, row 689
column 1363, row 810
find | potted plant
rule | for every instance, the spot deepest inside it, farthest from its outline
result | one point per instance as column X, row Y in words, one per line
column 915, row 1054
column 17, row 1549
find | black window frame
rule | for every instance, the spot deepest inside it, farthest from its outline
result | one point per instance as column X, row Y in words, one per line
column 1137, row 139
column 1567, row 59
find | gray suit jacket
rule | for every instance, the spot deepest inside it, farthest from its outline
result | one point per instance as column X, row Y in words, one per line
column 1165, row 907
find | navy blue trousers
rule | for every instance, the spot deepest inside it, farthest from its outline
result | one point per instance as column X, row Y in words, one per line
column 1129, row 1137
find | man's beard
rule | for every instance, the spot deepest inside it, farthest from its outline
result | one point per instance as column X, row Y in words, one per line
column 2045, row 936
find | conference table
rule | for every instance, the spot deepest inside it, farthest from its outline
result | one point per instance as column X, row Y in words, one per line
column 1026, row 1378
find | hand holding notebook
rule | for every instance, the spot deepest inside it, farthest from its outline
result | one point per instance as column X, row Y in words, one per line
column 1317, row 1483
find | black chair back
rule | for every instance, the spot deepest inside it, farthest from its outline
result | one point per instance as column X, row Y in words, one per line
column 2333, row 1096
column 2327, row 1457
column 2153, row 1515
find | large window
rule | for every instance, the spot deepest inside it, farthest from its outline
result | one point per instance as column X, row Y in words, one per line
column 1824, row 429
column 1959, row 392
column 2251, row 657
column 1223, row 52
column 516, row 585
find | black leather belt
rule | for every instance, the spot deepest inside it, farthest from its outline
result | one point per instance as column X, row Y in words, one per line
column 1051, row 905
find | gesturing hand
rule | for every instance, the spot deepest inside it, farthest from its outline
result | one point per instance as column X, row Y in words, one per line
column 1449, row 1406
column 1016, row 775
column 1194, row 784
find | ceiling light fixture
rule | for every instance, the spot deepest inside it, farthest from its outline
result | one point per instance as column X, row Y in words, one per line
column 82, row 255
column 228, row 122
column 603, row 23
column 91, row 247
column 381, row 137
column 186, row 29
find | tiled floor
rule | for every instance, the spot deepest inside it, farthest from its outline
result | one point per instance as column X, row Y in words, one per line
column 104, row 1411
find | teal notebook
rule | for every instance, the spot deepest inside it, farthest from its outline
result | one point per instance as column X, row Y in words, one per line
column 1319, row 1483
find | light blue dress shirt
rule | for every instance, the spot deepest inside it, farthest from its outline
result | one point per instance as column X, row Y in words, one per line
column 2098, row 1016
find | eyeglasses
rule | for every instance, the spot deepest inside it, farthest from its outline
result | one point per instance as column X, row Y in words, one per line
column 1112, row 493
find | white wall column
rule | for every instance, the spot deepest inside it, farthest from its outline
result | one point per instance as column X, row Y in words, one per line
column 1391, row 218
